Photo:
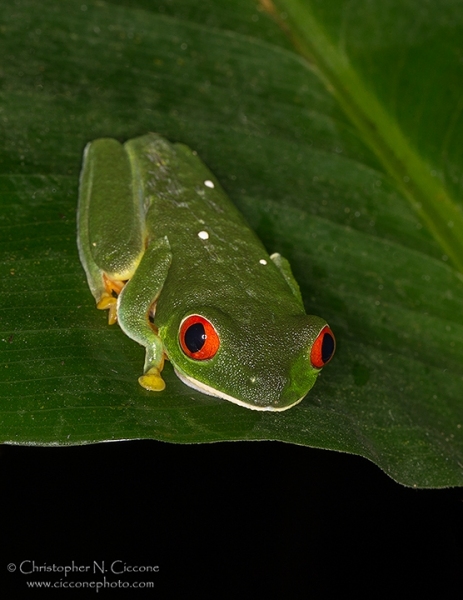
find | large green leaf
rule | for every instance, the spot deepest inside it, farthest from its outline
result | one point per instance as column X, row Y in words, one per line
column 341, row 150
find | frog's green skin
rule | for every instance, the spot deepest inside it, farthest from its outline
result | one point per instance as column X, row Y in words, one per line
column 151, row 212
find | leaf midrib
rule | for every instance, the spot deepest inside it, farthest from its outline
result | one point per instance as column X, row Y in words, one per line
column 426, row 194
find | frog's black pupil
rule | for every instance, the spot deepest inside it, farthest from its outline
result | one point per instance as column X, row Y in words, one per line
column 327, row 347
column 195, row 336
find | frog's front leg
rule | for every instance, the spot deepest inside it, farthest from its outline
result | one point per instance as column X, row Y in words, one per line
column 135, row 303
column 285, row 269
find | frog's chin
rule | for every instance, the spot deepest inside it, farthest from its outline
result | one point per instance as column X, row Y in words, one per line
column 210, row 391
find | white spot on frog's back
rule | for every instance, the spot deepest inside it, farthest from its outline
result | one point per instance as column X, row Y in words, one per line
column 203, row 235
column 263, row 261
column 208, row 183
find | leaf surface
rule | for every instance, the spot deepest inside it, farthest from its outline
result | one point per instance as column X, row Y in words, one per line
column 337, row 136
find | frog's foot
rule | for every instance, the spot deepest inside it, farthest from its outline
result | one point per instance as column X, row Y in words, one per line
column 108, row 302
column 152, row 380
column 113, row 285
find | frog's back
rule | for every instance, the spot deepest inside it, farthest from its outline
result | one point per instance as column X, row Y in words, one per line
column 213, row 248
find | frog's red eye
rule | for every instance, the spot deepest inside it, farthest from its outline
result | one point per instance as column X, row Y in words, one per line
column 198, row 338
column 323, row 348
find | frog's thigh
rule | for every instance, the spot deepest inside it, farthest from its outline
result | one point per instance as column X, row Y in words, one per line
column 135, row 302
column 111, row 223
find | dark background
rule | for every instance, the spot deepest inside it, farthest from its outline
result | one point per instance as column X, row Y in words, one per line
column 226, row 520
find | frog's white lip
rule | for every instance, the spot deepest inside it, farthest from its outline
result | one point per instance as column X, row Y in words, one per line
column 206, row 389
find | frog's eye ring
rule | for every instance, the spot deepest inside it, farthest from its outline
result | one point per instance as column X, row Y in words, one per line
column 198, row 338
column 323, row 348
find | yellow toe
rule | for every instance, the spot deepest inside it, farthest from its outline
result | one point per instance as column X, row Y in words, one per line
column 109, row 303
column 152, row 380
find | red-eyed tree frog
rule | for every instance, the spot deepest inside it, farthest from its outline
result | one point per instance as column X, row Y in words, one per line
column 174, row 262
